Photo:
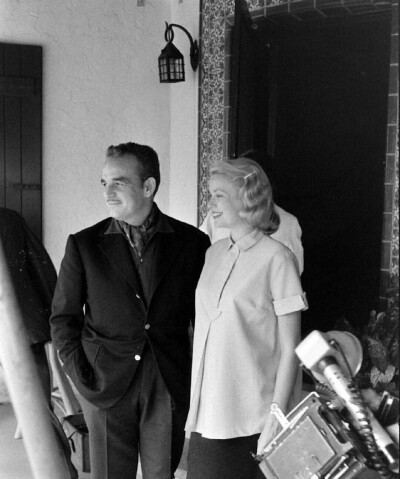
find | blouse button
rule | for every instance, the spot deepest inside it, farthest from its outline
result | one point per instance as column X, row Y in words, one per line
column 137, row 357
column 147, row 326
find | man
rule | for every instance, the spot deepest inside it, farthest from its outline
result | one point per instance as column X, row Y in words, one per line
column 121, row 311
column 288, row 233
column 33, row 277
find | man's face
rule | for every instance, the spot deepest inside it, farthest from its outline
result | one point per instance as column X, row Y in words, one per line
column 224, row 202
column 124, row 193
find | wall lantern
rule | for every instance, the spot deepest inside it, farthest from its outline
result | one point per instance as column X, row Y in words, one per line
column 170, row 63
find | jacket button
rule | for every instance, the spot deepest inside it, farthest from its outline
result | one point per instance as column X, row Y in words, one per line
column 137, row 357
column 138, row 297
column 147, row 326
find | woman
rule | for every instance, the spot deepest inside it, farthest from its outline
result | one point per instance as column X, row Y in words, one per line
column 248, row 304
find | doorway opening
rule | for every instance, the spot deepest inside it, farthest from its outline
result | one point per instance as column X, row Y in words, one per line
column 325, row 87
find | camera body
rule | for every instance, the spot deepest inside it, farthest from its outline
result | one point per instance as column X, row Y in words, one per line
column 330, row 438
column 316, row 443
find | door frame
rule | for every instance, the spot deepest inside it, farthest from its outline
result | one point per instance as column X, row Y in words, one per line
column 216, row 22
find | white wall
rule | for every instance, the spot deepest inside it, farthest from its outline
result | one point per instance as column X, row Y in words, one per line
column 184, row 119
column 101, row 87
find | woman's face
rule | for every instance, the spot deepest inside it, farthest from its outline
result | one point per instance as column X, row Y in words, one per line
column 224, row 203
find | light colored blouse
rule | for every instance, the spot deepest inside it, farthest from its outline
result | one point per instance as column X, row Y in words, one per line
column 242, row 289
column 289, row 233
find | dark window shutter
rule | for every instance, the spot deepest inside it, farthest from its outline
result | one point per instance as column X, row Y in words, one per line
column 21, row 132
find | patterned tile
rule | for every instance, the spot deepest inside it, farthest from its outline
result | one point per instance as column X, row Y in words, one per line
column 272, row 3
column 393, row 141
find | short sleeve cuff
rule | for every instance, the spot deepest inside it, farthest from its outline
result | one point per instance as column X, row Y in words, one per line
column 290, row 305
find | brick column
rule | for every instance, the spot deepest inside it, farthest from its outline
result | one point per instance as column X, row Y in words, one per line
column 390, row 237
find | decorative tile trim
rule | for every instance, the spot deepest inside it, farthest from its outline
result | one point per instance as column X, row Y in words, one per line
column 212, row 90
column 392, row 174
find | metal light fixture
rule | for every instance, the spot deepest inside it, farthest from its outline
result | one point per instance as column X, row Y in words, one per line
column 170, row 63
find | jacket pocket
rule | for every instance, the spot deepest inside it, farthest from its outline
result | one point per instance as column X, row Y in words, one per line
column 91, row 350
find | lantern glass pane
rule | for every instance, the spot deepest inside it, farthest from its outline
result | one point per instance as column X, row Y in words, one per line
column 171, row 65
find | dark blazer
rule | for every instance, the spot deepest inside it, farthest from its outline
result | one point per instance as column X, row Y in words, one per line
column 99, row 320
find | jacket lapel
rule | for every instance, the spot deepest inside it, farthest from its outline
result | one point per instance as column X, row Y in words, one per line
column 116, row 249
column 166, row 253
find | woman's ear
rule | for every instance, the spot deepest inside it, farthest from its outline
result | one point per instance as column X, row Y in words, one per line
column 149, row 187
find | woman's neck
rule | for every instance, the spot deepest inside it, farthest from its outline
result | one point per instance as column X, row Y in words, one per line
column 240, row 230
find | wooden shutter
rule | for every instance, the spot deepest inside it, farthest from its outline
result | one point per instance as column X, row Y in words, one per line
column 21, row 132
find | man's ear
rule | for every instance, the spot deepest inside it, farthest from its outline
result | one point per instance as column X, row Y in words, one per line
column 149, row 187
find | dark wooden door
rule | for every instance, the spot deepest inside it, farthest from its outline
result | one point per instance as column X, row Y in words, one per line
column 324, row 124
column 329, row 160
column 249, row 85
column 21, row 131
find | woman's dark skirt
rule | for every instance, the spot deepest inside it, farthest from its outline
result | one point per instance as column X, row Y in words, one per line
column 223, row 458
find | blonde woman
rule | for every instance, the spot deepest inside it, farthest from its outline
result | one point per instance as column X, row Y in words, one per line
column 248, row 303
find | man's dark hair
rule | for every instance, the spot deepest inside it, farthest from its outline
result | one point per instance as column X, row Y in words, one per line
column 147, row 158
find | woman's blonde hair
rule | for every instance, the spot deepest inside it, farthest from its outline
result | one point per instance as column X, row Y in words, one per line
column 255, row 191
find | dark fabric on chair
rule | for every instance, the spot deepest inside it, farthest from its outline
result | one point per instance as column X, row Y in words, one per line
column 33, row 278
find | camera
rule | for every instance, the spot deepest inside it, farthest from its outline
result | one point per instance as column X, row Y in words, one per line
column 332, row 433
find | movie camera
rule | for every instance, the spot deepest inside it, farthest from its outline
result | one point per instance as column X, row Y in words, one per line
column 332, row 433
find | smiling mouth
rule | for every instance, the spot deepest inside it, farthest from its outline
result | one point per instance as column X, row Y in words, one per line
column 112, row 203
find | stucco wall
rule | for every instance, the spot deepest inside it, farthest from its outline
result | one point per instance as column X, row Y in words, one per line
column 100, row 87
column 184, row 119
